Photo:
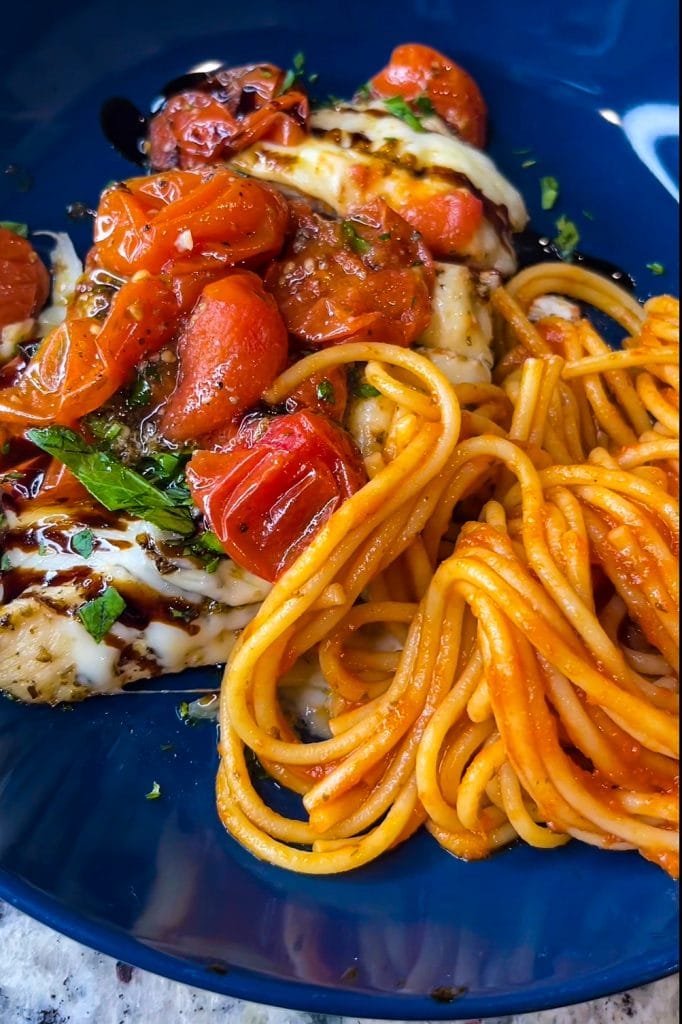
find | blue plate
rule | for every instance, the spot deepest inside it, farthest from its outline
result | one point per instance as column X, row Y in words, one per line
column 588, row 91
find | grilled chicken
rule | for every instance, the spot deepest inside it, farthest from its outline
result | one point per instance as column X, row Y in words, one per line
column 177, row 613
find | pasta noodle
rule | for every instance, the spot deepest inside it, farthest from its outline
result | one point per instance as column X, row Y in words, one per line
column 518, row 541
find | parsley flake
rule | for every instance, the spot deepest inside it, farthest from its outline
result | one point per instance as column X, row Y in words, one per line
column 99, row 615
column 353, row 240
column 567, row 238
column 549, row 190
column 83, row 542
column 656, row 268
column 325, row 391
column 5, row 563
column 154, row 793
column 399, row 107
column 424, row 104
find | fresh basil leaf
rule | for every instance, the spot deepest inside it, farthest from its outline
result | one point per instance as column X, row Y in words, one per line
column 15, row 227
column 141, row 391
column 549, row 192
column 99, row 615
column 399, row 107
column 83, row 542
column 114, row 485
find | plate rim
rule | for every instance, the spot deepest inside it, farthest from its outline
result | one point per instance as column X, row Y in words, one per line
column 244, row 984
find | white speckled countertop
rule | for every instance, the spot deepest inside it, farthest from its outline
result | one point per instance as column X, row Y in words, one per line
column 48, row 979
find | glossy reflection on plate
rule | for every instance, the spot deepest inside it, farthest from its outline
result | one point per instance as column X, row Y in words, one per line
column 590, row 95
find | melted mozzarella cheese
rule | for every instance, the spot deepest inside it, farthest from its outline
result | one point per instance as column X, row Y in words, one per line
column 428, row 150
column 342, row 173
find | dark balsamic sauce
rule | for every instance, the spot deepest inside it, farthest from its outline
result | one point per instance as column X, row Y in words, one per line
column 532, row 247
column 125, row 127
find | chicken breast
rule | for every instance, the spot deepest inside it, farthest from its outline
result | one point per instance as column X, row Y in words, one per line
column 177, row 614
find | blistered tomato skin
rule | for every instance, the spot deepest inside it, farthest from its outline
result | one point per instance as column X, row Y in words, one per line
column 267, row 496
column 447, row 221
column 415, row 70
column 233, row 347
column 83, row 362
column 213, row 217
column 24, row 280
column 367, row 278
column 234, row 108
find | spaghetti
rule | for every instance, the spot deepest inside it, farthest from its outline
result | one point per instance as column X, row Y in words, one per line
column 519, row 543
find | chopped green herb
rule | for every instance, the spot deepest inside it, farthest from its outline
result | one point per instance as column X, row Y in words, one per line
column 567, row 238
column 355, row 241
column 5, row 448
column 366, row 390
column 186, row 614
column 325, row 391
column 424, row 104
column 399, row 107
column 210, row 542
column 313, row 78
column 656, row 268
column 528, row 163
column 293, row 73
column 141, row 391
column 588, row 215
column 166, row 747
column 114, row 485
column 43, row 549
column 154, row 793
column 183, row 710
column 15, row 227
column 385, row 237
column 104, row 431
column 364, row 91
column 521, row 152
column 8, row 477
column 5, row 563
column 99, row 615
column 549, row 191
column 334, row 101
column 212, row 564
column 83, row 542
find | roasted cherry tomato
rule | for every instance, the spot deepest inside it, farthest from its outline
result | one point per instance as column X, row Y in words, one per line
column 415, row 70
column 24, row 280
column 266, row 497
column 367, row 278
column 218, row 217
column 232, row 349
column 447, row 221
column 83, row 362
column 226, row 111
column 325, row 392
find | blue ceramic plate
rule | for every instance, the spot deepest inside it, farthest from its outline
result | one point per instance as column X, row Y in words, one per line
column 587, row 90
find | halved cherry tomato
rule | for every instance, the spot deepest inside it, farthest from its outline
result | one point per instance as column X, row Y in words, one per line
column 228, row 110
column 24, row 280
column 415, row 70
column 447, row 221
column 232, row 349
column 367, row 278
column 83, row 362
column 266, row 498
column 218, row 217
